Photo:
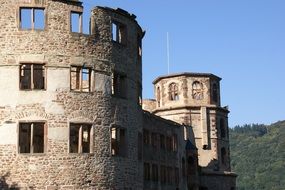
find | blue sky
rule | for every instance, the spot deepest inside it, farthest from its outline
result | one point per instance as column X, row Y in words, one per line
column 241, row 41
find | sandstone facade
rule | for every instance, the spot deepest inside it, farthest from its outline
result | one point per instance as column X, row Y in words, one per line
column 71, row 114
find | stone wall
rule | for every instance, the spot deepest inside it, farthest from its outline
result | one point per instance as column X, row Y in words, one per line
column 57, row 48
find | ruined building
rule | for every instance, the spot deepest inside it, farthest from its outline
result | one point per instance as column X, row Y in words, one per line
column 71, row 112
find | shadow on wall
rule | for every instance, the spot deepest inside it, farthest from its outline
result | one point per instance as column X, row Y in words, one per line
column 4, row 185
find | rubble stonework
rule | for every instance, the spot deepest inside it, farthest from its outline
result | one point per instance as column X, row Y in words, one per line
column 71, row 114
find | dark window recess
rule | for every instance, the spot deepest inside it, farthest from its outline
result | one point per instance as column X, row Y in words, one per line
column 154, row 172
column 32, row 18
column 80, row 78
column 154, row 140
column 119, row 86
column 222, row 128
column 80, row 139
column 140, row 146
column 119, row 33
column 139, row 44
column 76, row 22
column 158, row 96
column 173, row 92
column 32, row 76
column 146, row 137
column 183, row 167
column 118, row 142
column 32, row 137
column 162, row 142
column 168, row 143
column 146, row 171
column 163, row 173
column 191, row 165
column 215, row 93
column 176, row 176
column 223, row 155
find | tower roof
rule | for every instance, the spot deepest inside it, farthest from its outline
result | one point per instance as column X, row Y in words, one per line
column 186, row 74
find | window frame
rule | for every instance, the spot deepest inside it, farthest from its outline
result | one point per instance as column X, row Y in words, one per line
column 80, row 22
column 173, row 91
column 118, row 147
column 31, row 123
column 33, row 18
column 120, row 36
column 32, row 76
column 91, row 79
column 80, row 136
column 119, row 85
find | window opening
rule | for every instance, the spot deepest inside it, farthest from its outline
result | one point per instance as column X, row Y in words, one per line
column 139, row 43
column 163, row 174
column 146, row 137
column 32, row 18
column 76, row 22
column 154, row 140
column 162, row 142
column 119, row 86
column 173, row 92
column 146, row 171
column 32, row 76
column 191, row 165
column 222, row 128
column 140, row 146
column 158, row 96
column 154, row 172
column 215, row 93
column 223, row 154
column 197, row 90
column 118, row 32
column 31, row 137
column 80, row 139
column 118, row 141
column 174, row 143
column 80, row 78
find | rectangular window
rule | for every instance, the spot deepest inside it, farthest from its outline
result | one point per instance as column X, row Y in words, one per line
column 163, row 174
column 76, row 22
column 177, row 176
column 154, row 172
column 168, row 143
column 32, row 18
column 80, row 78
column 80, row 138
column 32, row 137
column 119, row 86
column 140, row 146
column 119, row 32
column 154, row 140
column 32, row 76
column 118, row 141
column 162, row 142
column 174, row 143
column 146, row 137
column 146, row 171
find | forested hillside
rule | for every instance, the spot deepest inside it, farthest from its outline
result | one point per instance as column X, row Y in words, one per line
column 258, row 156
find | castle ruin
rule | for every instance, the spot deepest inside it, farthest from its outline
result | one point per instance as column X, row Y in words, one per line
column 72, row 114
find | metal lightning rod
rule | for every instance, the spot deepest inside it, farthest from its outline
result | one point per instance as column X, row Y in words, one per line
column 167, row 38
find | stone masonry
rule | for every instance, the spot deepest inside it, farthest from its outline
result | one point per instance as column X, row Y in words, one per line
column 71, row 112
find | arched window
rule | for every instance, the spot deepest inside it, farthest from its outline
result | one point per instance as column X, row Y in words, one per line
column 222, row 128
column 197, row 90
column 158, row 96
column 173, row 92
column 223, row 155
column 215, row 92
